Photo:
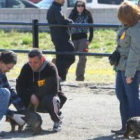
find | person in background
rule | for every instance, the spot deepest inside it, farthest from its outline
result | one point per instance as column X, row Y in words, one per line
column 80, row 35
column 139, row 3
column 38, row 83
column 61, row 38
column 128, row 68
column 7, row 95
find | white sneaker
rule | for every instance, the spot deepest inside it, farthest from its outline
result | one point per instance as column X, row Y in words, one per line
column 57, row 126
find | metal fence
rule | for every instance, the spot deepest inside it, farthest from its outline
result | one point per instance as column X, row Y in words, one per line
column 35, row 32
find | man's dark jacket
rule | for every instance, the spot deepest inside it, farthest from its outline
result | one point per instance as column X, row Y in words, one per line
column 27, row 82
column 54, row 16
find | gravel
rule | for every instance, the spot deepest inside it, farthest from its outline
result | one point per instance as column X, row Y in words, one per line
column 90, row 113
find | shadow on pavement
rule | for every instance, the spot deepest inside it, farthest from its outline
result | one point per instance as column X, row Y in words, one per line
column 25, row 134
column 111, row 137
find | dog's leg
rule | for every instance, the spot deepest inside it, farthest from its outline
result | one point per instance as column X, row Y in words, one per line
column 35, row 108
column 37, row 131
column 136, row 134
column 128, row 131
column 12, row 127
column 20, row 128
column 32, row 107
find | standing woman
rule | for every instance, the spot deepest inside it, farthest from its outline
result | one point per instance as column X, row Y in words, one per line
column 80, row 35
column 128, row 68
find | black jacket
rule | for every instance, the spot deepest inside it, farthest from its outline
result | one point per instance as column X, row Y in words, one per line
column 54, row 16
column 27, row 81
column 87, row 19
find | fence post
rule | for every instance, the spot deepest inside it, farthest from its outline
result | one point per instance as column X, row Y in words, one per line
column 35, row 33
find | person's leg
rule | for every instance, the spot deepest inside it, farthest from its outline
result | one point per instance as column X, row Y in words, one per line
column 80, row 70
column 52, row 105
column 132, row 91
column 76, row 44
column 60, row 61
column 4, row 101
column 62, row 98
column 63, row 62
column 120, row 93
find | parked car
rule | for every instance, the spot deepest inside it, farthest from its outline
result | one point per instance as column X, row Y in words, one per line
column 35, row 1
column 17, row 4
column 45, row 4
column 101, row 3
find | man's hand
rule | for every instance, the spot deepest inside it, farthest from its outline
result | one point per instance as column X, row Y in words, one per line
column 128, row 80
column 34, row 100
column 88, row 43
column 18, row 119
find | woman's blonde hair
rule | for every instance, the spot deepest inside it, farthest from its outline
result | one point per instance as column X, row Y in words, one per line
column 129, row 13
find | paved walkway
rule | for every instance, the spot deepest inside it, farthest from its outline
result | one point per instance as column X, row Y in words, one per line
column 90, row 112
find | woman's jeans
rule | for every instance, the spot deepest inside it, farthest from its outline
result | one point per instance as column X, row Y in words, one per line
column 128, row 96
column 4, row 101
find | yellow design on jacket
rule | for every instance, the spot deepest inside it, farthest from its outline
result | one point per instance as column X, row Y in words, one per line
column 41, row 82
column 123, row 35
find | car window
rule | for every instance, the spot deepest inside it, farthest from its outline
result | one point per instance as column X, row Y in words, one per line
column 15, row 4
column 116, row 2
column 71, row 3
column 110, row 1
column 44, row 3
column 2, row 3
column 89, row 1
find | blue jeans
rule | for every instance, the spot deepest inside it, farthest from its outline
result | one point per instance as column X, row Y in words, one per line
column 128, row 96
column 4, row 101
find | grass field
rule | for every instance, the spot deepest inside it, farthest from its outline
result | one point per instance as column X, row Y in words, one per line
column 98, row 68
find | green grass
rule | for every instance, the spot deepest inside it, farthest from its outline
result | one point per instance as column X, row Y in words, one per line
column 97, row 68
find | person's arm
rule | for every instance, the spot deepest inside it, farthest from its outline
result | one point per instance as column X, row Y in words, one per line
column 14, row 99
column 22, row 82
column 53, row 79
column 133, row 59
column 18, row 118
column 91, row 28
column 60, row 18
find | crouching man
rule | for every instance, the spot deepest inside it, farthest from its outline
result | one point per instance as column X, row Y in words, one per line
column 8, row 96
column 38, row 83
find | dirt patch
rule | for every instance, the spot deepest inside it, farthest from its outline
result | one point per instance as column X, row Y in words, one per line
column 90, row 112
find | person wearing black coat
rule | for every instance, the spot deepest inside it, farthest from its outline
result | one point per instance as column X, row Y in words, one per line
column 38, row 84
column 61, row 38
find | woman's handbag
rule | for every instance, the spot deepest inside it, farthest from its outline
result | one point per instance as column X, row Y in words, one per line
column 114, row 58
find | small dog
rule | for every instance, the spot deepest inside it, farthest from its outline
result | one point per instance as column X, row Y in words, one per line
column 133, row 127
column 33, row 119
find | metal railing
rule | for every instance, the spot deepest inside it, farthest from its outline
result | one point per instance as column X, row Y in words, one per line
column 35, row 35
